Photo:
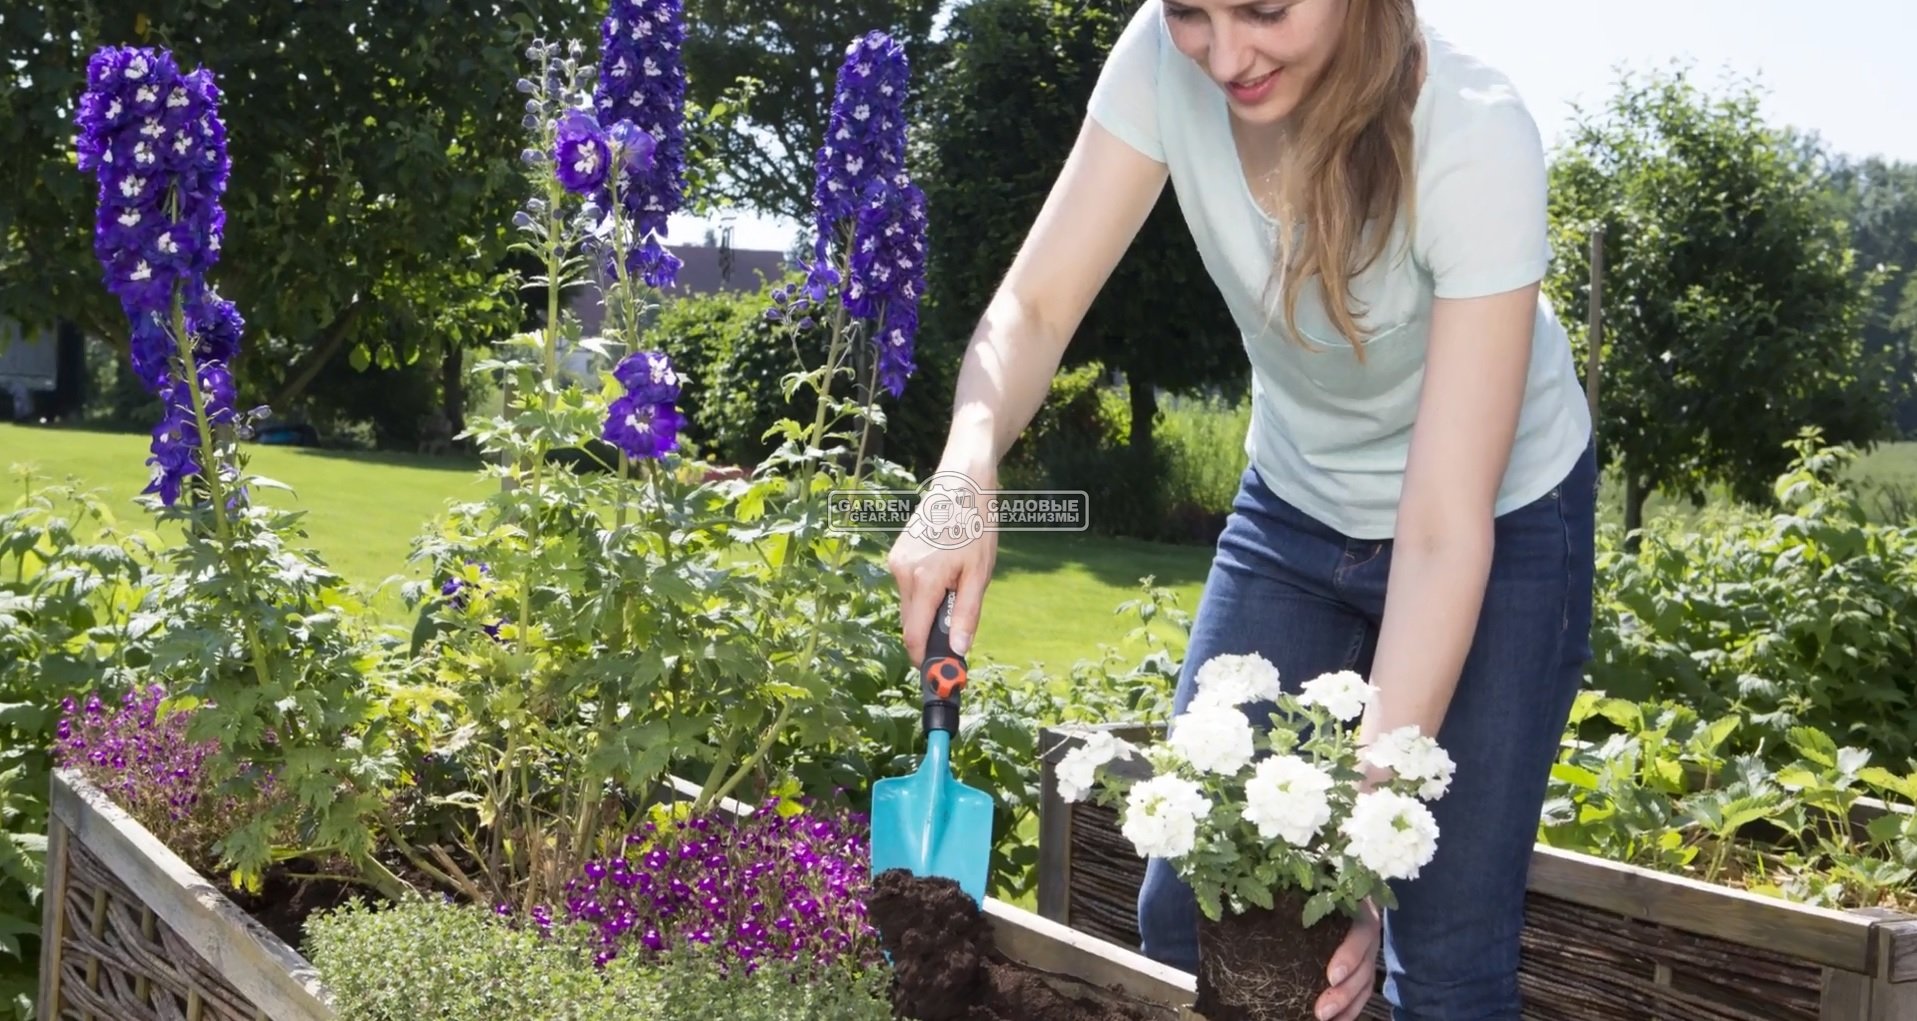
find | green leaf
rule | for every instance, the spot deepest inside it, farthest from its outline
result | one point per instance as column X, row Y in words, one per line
column 1814, row 744
column 1317, row 907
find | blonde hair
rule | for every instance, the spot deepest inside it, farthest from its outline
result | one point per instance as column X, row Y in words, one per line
column 1347, row 160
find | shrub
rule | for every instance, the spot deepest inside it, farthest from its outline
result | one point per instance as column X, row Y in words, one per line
column 426, row 958
column 1806, row 616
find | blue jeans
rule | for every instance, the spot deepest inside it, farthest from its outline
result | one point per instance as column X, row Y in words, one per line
column 1310, row 600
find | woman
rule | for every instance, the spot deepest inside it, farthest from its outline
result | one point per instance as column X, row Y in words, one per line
column 1419, row 496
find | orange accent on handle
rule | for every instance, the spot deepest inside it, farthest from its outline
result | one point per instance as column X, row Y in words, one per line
column 948, row 676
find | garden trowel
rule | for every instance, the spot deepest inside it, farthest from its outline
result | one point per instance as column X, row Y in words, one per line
column 928, row 823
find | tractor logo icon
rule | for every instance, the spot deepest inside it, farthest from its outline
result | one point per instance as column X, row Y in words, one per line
column 948, row 515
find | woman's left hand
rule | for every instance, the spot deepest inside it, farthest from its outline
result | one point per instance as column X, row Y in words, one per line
column 1353, row 968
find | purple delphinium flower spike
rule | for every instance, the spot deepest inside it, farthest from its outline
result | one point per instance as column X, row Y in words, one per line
column 152, row 137
column 863, row 188
column 642, row 79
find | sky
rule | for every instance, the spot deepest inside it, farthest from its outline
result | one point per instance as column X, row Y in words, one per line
column 1840, row 68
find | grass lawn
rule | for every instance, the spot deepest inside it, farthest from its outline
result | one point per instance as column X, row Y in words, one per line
column 1051, row 598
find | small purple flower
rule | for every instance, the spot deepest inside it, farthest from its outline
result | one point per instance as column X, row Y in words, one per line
column 645, row 422
column 580, row 155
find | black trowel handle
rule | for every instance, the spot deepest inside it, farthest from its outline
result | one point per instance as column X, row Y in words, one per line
column 942, row 674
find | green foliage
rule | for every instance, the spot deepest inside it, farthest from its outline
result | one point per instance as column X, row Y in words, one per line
column 1804, row 617
column 1178, row 490
column 734, row 362
column 1660, row 786
column 1879, row 199
column 422, row 958
column 69, row 584
column 1732, row 316
column 622, row 620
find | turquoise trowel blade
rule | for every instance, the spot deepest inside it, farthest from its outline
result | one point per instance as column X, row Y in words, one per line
column 931, row 825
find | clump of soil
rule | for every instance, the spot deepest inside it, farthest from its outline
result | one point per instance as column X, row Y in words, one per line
column 946, row 968
column 1265, row 965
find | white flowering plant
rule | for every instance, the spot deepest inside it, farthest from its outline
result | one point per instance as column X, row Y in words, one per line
column 1241, row 811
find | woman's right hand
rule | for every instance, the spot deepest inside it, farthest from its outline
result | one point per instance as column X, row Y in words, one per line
column 926, row 561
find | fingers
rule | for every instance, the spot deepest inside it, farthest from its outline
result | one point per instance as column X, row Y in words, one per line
column 1353, row 969
column 919, row 599
column 969, row 604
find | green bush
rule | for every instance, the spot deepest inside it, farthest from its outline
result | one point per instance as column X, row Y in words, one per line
column 1806, row 616
column 69, row 584
column 733, row 363
column 1179, row 492
column 427, row 958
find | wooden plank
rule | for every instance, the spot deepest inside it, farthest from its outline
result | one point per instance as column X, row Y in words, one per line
column 1892, row 999
column 260, row 966
column 1054, row 840
column 1048, row 946
column 1844, row 997
column 53, row 920
column 1836, row 939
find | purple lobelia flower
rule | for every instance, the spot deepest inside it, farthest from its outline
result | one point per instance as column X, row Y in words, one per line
column 864, row 198
column 642, row 79
column 645, row 421
column 152, row 137
column 765, row 887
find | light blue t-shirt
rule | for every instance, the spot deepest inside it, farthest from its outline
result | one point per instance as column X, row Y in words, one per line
column 1328, row 434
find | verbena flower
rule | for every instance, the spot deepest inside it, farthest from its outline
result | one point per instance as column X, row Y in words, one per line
column 1214, row 739
column 862, row 190
column 645, row 421
column 765, row 887
column 1162, row 816
column 642, row 79
column 1343, row 693
column 1235, row 680
column 1392, row 834
column 1288, row 799
column 152, row 137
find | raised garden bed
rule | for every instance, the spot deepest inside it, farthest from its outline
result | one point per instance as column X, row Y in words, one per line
column 1602, row 941
column 135, row 934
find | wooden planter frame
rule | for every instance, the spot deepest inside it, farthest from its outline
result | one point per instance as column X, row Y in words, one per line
column 132, row 933
column 1602, row 941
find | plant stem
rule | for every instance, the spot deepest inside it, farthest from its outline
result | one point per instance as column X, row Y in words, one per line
column 719, row 764
column 216, row 495
column 765, row 744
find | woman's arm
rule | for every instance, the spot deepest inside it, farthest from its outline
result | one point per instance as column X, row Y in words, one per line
column 1479, row 355
column 1102, row 196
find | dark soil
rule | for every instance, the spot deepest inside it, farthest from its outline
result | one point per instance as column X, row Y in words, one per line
column 1264, row 965
column 945, row 966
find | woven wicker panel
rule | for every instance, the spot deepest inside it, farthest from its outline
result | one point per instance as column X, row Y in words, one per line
column 118, row 962
column 1579, row 964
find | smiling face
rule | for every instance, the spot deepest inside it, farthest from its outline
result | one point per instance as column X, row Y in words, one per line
column 1265, row 54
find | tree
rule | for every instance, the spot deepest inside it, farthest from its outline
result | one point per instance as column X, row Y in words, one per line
column 791, row 50
column 374, row 176
column 1879, row 198
column 1002, row 110
column 1731, row 315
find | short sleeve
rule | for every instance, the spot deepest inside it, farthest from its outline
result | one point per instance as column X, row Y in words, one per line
column 1482, row 221
column 1125, row 98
